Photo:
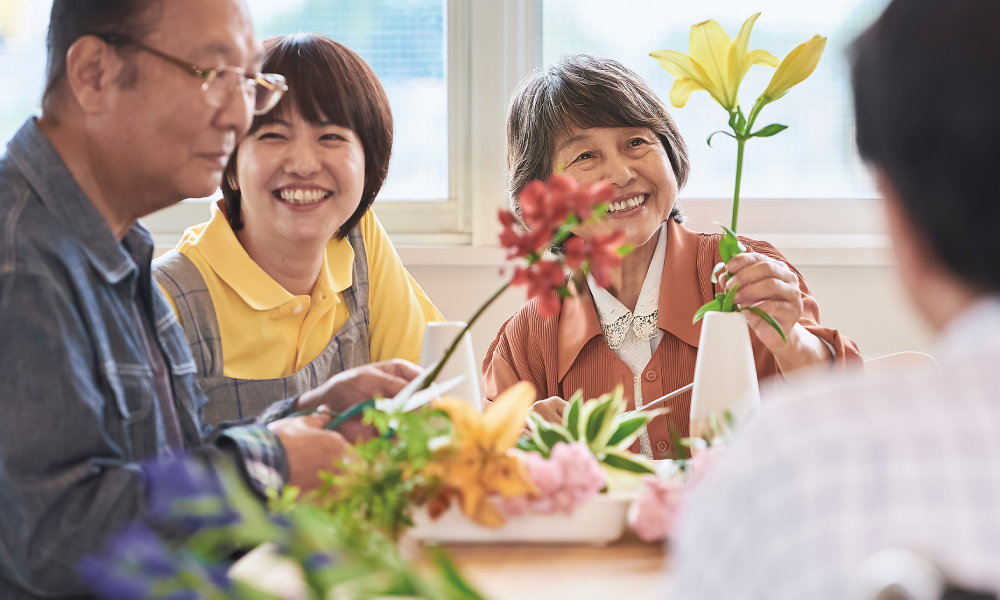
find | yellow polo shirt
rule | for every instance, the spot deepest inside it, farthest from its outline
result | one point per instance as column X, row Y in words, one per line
column 268, row 333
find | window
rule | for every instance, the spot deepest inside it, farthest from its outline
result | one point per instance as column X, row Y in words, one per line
column 449, row 67
column 405, row 42
column 814, row 158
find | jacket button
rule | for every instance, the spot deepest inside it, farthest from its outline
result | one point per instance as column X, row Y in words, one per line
column 650, row 375
column 661, row 446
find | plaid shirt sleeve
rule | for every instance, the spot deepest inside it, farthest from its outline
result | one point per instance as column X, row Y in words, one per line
column 260, row 455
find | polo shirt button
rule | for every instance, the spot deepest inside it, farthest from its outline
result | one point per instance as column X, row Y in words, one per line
column 297, row 310
column 661, row 446
column 650, row 375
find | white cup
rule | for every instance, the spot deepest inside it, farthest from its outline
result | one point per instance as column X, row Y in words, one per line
column 437, row 338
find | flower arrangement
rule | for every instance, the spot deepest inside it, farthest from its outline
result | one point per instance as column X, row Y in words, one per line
column 601, row 425
column 717, row 64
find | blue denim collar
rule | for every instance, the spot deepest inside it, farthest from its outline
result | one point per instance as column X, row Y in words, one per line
column 48, row 175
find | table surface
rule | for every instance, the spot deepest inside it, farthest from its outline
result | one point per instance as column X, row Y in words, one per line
column 628, row 569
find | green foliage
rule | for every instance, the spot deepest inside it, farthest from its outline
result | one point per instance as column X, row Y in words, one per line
column 769, row 320
column 381, row 481
column 600, row 424
column 769, row 130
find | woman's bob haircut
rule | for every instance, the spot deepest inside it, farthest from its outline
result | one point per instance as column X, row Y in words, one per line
column 327, row 83
column 584, row 91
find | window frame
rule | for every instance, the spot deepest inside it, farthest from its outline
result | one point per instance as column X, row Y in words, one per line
column 485, row 62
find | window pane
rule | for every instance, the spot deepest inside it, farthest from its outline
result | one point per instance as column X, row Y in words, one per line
column 403, row 40
column 814, row 158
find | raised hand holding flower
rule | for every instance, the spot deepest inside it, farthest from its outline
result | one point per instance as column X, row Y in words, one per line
column 718, row 64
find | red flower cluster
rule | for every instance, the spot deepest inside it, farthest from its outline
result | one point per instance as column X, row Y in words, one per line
column 544, row 209
column 543, row 278
column 520, row 242
column 602, row 252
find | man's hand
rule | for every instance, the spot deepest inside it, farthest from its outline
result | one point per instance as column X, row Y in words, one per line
column 346, row 389
column 309, row 447
column 551, row 409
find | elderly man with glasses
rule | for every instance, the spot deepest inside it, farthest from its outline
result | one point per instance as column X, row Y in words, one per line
column 95, row 372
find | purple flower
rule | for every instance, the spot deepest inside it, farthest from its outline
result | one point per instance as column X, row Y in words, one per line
column 130, row 563
column 319, row 560
column 186, row 493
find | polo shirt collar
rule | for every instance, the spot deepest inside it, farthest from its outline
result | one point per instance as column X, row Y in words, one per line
column 227, row 257
column 578, row 321
column 53, row 183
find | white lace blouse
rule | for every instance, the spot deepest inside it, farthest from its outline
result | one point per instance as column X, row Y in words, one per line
column 634, row 336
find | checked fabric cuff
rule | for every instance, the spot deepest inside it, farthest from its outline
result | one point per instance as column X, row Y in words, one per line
column 260, row 456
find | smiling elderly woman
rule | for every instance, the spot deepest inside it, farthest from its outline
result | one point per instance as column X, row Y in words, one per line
column 294, row 280
column 596, row 120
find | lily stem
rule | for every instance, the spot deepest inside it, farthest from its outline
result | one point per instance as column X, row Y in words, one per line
column 740, row 142
column 432, row 375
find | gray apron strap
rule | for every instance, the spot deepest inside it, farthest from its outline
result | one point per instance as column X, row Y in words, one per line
column 232, row 398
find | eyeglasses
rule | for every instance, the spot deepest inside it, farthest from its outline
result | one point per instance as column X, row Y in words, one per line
column 263, row 90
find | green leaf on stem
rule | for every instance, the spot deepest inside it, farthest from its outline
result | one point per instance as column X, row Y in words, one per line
column 600, row 210
column 769, row 130
column 563, row 291
column 626, row 249
column 571, row 420
column 769, row 320
column 680, row 452
column 730, row 245
column 741, row 124
column 527, row 444
column 625, row 463
column 713, row 306
column 727, row 304
column 709, row 140
column 715, row 271
column 627, row 428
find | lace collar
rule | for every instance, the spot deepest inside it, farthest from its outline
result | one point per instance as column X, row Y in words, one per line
column 616, row 320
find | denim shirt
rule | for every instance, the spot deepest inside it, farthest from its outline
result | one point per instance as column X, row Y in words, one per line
column 78, row 405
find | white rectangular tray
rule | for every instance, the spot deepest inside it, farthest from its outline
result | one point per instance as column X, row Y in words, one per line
column 598, row 522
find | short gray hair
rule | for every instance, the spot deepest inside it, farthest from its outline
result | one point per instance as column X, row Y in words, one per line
column 585, row 91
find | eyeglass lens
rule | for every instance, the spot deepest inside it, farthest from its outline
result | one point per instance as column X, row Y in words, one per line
column 219, row 88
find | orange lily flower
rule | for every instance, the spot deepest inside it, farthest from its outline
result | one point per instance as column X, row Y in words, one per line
column 483, row 465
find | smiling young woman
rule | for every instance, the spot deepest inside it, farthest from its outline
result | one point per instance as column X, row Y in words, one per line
column 596, row 120
column 293, row 279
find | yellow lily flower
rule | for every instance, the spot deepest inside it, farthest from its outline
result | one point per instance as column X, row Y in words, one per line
column 717, row 64
column 794, row 68
column 482, row 465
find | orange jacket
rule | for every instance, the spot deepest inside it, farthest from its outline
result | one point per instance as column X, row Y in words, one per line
column 566, row 353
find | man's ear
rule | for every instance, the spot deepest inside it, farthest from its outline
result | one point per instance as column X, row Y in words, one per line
column 92, row 67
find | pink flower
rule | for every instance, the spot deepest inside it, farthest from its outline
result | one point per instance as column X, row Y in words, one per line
column 580, row 199
column 701, row 463
column 568, row 478
column 542, row 207
column 520, row 242
column 544, row 279
column 652, row 514
column 604, row 256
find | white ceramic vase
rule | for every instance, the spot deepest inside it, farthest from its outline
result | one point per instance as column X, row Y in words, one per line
column 725, row 375
column 437, row 338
